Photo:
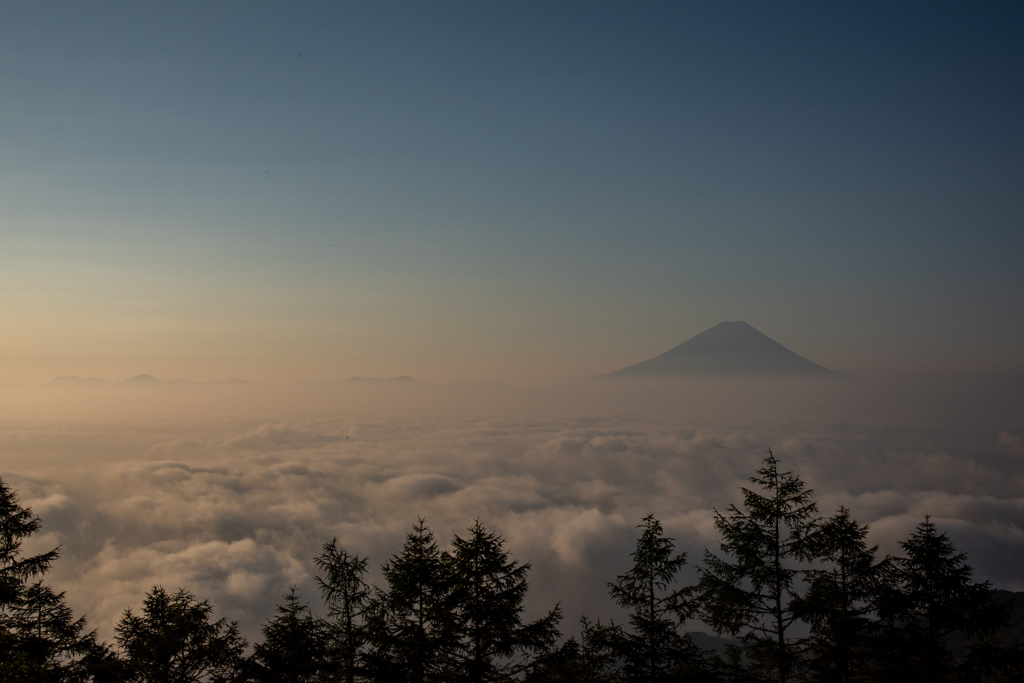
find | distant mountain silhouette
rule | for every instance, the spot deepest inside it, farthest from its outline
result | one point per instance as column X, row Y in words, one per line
column 403, row 378
column 141, row 379
column 150, row 381
column 79, row 381
column 731, row 349
column 711, row 642
column 1010, row 635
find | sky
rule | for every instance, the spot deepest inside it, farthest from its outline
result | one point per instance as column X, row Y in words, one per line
column 286, row 192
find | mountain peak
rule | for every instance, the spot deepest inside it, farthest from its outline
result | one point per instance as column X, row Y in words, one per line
column 731, row 348
column 141, row 379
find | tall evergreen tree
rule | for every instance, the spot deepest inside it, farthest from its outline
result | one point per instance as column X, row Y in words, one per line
column 655, row 650
column 752, row 595
column 491, row 642
column 173, row 640
column 347, row 597
column 934, row 598
column 841, row 601
column 293, row 647
column 53, row 644
column 16, row 525
column 411, row 627
column 40, row 639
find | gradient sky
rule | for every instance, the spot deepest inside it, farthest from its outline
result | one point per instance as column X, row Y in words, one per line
column 290, row 191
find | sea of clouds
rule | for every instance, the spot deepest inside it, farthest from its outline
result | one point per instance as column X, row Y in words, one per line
column 234, row 504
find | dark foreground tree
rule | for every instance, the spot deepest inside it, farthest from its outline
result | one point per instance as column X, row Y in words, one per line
column 173, row 640
column 52, row 645
column 751, row 595
column 40, row 638
column 16, row 525
column 491, row 643
column 293, row 647
column 347, row 597
column 655, row 650
column 411, row 625
column 593, row 658
column 841, row 601
column 933, row 599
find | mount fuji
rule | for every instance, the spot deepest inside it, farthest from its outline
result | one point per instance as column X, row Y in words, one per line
column 729, row 349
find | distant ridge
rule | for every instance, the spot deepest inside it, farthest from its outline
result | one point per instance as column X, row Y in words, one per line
column 356, row 380
column 729, row 349
column 143, row 381
column 150, row 381
column 403, row 378
column 79, row 381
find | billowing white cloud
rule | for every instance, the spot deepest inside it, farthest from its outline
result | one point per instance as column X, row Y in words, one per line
column 236, row 511
column 278, row 438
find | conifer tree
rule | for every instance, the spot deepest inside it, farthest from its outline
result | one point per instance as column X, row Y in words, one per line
column 841, row 601
column 54, row 646
column 655, row 650
column 598, row 660
column 16, row 525
column 594, row 658
column 40, row 639
column 347, row 597
column 173, row 640
column 412, row 624
column 293, row 647
column 490, row 641
column 752, row 595
column 934, row 598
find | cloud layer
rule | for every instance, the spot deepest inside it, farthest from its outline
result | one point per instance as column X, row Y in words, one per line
column 236, row 510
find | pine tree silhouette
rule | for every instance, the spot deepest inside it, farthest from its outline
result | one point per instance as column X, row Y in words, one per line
column 173, row 640
column 40, row 638
column 841, row 602
column 347, row 597
column 752, row 595
column 655, row 650
column 293, row 647
column 411, row 628
column 933, row 598
column 490, row 641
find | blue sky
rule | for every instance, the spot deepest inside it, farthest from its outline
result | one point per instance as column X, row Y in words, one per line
column 477, row 190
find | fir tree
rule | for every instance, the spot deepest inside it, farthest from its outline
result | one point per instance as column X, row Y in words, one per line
column 411, row 627
column 594, row 658
column 655, row 650
column 841, row 601
column 490, row 641
column 347, row 597
column 40, row 639
column 934, row 598
column 293, row 647
column 173, row 640
column 54, row 645
column 16, row 525
column 598, row 660
column 752, row 595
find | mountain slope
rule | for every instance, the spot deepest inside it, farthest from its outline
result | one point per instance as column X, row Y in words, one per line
column 731, row 349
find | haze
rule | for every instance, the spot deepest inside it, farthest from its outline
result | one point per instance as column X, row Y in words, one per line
column 500, row 200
